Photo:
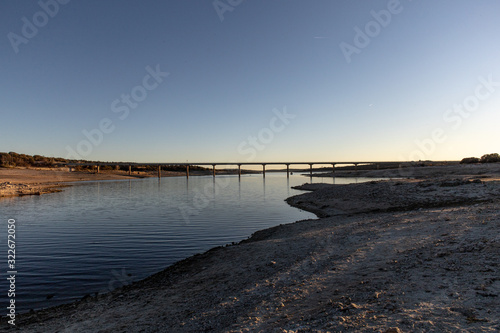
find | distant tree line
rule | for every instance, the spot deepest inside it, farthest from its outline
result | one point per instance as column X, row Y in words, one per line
column 487, row 158
column 12, row 159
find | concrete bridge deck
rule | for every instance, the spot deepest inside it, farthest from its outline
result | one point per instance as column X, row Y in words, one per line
column 97, row 165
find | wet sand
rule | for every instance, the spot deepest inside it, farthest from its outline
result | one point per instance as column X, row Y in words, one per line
column 404, row 255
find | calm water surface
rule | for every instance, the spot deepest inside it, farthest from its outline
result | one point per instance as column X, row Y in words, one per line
column 98, row 236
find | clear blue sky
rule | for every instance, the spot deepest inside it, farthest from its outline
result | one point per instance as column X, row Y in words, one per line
column 387, row 93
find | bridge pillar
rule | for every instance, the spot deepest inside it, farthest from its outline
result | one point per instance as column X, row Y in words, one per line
column 239, row 170
column 333, row 167
column 187, row 171
column 159, row 171
column 129, row 170
column 213, row 169
column 288, row 170
column 263, row 170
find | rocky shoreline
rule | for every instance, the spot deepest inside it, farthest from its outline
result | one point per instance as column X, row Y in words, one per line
column 404, row 255
column 9, row 189
column 396, row 195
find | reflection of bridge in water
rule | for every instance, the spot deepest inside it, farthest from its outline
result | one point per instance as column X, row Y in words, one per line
column 97, row 165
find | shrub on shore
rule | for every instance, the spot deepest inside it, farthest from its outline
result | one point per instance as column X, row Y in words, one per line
column 487, row 158
column 490, row 158
column 469, row 160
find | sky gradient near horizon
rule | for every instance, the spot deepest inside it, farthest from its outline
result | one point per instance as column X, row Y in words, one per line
column 250, row 80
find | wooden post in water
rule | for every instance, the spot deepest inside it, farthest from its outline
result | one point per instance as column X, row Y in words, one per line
column 333, row 168
column 213, row 169
column 98, row 168
column 310, row 170
column 288, row 170
column 356, row 167
column 239, row 170
column 159, row 171
column 187, row 171
column 263, row 170
column 129, row 170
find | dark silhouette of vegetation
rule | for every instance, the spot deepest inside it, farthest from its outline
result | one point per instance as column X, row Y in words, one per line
column 487, row 158
column 12, row 159
column 469, row 160
column 490, row 158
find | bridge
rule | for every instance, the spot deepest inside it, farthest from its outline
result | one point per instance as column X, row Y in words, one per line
column 97, row 165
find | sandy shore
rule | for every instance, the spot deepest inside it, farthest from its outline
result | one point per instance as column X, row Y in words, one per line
column 23, row 181
column 404, row 255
